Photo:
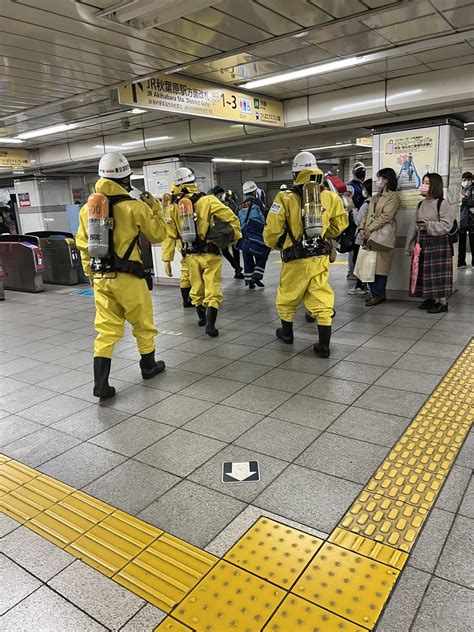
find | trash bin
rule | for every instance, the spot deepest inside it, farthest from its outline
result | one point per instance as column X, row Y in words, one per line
column 22, row 263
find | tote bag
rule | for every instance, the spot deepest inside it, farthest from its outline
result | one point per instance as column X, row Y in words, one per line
column 365, row 265
column 383, row 238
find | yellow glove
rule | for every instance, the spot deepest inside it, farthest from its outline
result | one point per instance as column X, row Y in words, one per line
column 148, row 198
column 168, row 270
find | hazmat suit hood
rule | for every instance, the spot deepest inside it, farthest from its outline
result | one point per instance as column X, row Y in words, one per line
column 179, row 189
column 305, row 176
column 109, row 187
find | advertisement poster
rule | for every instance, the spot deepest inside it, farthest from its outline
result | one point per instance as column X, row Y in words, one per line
column 410, row 154
column 186, row 95
column 24, row 200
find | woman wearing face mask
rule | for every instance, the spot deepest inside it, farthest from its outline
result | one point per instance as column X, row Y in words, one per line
column 382, row 210
column 467, row 219
column 434, row 219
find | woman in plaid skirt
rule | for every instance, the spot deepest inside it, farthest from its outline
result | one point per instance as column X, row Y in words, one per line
column 434, row 219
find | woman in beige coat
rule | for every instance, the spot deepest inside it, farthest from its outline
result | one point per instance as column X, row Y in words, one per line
column 382, row 210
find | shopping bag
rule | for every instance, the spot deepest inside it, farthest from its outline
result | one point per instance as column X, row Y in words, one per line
column 415, row 266
column 365, row 265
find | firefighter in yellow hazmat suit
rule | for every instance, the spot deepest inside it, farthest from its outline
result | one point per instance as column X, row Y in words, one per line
column 202, row 256
column 305, row 266
column 120, row 289
column 169, row 246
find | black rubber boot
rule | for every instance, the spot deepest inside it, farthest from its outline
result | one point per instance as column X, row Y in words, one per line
column 321, row 348
column 308, row 318
column 285, row 332
column 101, row 379
column 211, row 317
column 201, row 312
column 149, row 366
column 185, row 295
column 239, row 273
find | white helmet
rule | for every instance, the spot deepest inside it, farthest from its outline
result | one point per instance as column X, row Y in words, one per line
column 283, row 187
column 114, row 165
column 184, row 175
column 304, row 160
column 358, row 165
column 249, row 187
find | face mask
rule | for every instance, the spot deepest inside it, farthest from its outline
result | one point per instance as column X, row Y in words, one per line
column 222, row 197
column 360, row 174
column 425, row 187
column 466, row 184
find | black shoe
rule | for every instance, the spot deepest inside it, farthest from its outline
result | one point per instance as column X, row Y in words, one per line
column 101, row 379
column 251, row 285
column 211, row 316
column 149, row 366
column 239, row 274
column 185, row 295
column 285, row 332
column 429, row 302
column 462, row 265
column 321, row 348
column 438, row 308
column 308, row 318
column 258, row 283
column 201, row 312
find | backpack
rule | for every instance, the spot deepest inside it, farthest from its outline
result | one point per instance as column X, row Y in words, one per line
column 453, row 234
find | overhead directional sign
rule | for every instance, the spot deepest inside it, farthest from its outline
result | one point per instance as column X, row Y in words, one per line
column 238, row 472
column 14, row 158
column 191, row 96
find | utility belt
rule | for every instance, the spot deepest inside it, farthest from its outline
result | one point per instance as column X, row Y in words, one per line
column 114, row 264
column 305, row 250
column 199, row 247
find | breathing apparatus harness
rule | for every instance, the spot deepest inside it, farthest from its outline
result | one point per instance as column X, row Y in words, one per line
column 192, row 243
column 311, row 243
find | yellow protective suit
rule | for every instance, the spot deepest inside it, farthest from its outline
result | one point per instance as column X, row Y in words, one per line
column 304, row 280
column 120, row 296
column 173, row 242
column 204, row 269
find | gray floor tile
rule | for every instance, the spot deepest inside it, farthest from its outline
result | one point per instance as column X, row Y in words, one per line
column 101, row 597
column 467, row 505
column 450, row 337
column 46, row 611
column 406, row 333
column 257, row 399
column 391, row 400
column 16, row 366
column 466, row 454
column 308, row 364
column 175, row 357
column 453, row 490
column 409, row 381
column 350, row 338
column 193, row 512
column 19, row 585
column 136, row 399
column 424, row 364
column 223, row 422
column 145, row 620
column 9, row 385
column 40, row 446
column 69, row 380
column 132, row 486
column 370, row 425
column 129, row 374
column 385, row 343
column 404, row 601
column 13, row 427
column 445, row 607
column 176, row 410
column 24, row 396
column 35, row 554
column 278, row 438
column 132, row 435
column 7, row 525
column 358, row 327
column 268, row 357
column 74, row 360
column 338, row 351
column 205, row 364
column 436, row 349
column 242, row 371
column 180, row 452
column 456, row 563
column 173, row 380
column 334, row 390
column 54, row 409
column 90, row 422
column 82, row 464
column 35, row 375
column 374, row 357
column 309, row 497
column 309, row 411
column 340, row 456
column 212, row 389
column 284, row 380
column 199, row 345
column 431, row 541
column 85, row 390
column 355, row 372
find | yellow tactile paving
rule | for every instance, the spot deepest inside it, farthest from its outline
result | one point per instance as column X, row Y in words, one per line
column 298, row 615
column 14, row 474
column 406, row 483
column 369, row 548
column 391, row 522
column 348, row 584
column 166, row 571
column 229, row 598
column 438, row 430
column 171, row 625
column 274, row 551
column 416, row 452
column 113, row 543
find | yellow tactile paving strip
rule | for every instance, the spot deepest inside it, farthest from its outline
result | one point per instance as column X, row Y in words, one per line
column 275, row 578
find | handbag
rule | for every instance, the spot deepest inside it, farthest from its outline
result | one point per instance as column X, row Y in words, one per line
column 383, row 238
column 365, row 265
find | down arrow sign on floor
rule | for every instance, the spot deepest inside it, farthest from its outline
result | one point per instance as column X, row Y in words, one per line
column 247, row 471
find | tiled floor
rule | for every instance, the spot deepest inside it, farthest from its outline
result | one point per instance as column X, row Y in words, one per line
column 318, row 428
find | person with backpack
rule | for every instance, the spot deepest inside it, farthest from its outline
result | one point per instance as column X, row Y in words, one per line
column 255, row 252
column 204, row 225
column 467, row 219
column 358, row 194
column 434, row 228
column 361, row 289
column 110, row 225
column 232, row 257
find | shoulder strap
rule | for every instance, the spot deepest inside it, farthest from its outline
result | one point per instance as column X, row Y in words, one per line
column 115, row 199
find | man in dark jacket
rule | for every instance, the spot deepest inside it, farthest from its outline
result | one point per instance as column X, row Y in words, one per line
column 467, row 219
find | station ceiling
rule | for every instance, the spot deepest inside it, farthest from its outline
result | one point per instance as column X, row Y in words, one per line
column 59, row 61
